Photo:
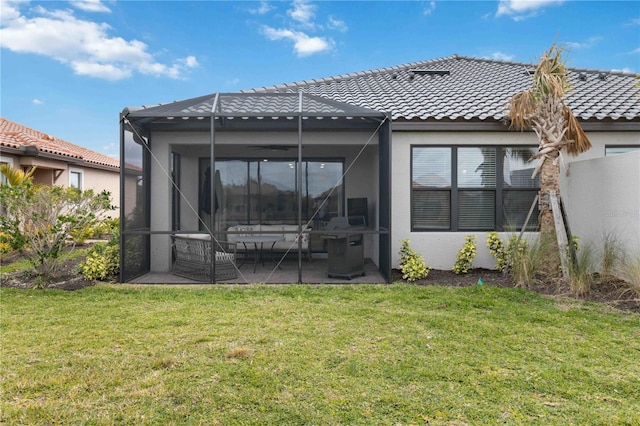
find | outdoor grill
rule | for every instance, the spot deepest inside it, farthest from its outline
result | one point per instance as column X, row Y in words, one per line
column 345, row 247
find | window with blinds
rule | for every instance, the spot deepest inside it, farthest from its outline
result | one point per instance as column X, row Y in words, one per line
column 469, row 188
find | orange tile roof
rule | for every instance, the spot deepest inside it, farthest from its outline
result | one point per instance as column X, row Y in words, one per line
column 14, row 135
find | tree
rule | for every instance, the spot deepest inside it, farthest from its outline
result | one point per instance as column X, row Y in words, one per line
column 542, row 109
column 44, row 217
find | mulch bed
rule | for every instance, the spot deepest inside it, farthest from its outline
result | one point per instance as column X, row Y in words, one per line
column 611, row 292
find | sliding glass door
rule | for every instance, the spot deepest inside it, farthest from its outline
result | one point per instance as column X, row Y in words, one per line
column 252, row 191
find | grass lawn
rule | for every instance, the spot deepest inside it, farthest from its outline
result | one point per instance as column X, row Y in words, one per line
column 323, row 355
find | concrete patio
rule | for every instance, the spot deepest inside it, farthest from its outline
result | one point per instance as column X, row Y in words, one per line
column 312, row 273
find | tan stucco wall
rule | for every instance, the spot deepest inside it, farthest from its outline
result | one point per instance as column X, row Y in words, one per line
column 54, row 172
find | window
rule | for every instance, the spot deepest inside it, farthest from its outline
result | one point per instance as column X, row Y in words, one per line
column 265, row 191
column 619, row 149
column 8, row 161
column 470, row 188
column 75, row 178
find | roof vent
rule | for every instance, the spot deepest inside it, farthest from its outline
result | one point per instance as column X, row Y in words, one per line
column 430, row 72
column 602, row 76
column 582, row 76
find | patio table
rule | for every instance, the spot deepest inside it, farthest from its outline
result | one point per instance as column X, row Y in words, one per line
column 258, row 250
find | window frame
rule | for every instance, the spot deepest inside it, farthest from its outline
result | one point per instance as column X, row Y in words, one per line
column 627, row 149
column 454, row 190
column 5, row 160
column 80, row 173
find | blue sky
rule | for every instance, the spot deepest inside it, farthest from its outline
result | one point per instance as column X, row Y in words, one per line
column 69, row 67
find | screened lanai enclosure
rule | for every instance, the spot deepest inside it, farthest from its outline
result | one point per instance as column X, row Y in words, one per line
column 255, row 187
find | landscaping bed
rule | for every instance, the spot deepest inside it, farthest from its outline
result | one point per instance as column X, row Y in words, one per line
column 611, row 292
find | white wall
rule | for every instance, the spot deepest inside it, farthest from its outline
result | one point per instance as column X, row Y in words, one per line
column 439, row 248
column 602, row 197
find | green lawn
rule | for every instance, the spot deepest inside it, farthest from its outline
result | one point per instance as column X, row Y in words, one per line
column 323, row 355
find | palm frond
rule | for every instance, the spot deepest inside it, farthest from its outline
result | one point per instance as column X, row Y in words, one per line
column 574, row 132
column 550, row 77
column 16, row 176
column 522, row 107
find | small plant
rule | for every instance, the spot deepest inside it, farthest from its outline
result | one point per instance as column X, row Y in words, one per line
column 629, row 272
column 611, row 256
column 525, row 259
column 580, row 269
column 102, row 262
column 495, row 244
column 412, row 264
column 465, row 256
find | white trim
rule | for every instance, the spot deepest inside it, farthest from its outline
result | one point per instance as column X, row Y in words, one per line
column 5, row 160
column 80, row 172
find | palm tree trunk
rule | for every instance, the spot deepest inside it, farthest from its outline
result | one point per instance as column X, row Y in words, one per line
column 549, row 126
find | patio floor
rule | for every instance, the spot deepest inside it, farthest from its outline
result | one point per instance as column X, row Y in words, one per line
column 312, row 273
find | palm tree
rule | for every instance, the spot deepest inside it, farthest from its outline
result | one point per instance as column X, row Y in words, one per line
column 16, row 177
column 542, row 109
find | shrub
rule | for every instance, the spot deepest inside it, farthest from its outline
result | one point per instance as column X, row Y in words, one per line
column 46, row 217
column 495, row 244
column 412, row 264
column 102, row 262
column 526, row 259
column 465, row 256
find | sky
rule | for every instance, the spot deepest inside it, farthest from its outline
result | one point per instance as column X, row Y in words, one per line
column 68, row 68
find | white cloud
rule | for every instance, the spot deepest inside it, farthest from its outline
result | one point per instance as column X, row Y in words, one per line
column 299, row 26
column 523, row 9
column 591, row 41
column 336, row 24
column 500, row 56
column 37, row 102
column 428, row 10
column 304, row 45
column 262, row 9
column 85, row 46
column 303, row 13
column 90, row 5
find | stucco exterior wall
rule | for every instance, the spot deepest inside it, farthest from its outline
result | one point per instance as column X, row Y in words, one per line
column 439, row 248
column 602, row 199
column 55, row 172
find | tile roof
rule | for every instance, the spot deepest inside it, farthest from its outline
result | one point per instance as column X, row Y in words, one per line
column 14, row 135
column 469, row 89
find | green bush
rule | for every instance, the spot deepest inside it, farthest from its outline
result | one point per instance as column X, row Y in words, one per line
column 495, row 244
column 412, row 264
column 102, row 262
column 465, row 256
column 46, row 217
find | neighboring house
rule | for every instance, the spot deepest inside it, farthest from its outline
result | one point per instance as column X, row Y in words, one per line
column 426, row 144
column 58, row 162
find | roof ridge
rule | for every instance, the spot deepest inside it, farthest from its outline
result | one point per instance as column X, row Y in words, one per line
column 533, row 64
column 346, row 76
